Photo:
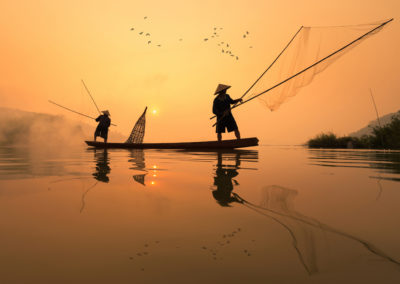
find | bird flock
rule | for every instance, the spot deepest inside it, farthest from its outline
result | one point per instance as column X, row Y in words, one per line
column 215, row 37
column 224, row 46
column 147, row 35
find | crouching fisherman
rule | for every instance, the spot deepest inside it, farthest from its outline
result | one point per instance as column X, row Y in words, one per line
column 222, row 109
column 104, row 123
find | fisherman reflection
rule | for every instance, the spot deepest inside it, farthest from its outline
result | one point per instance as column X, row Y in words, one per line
column 102, row 166
column 225, row 182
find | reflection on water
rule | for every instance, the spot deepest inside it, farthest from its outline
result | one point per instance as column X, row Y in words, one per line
column 137, row 158
column 23, row 163
column 277, row 203
column 102, row 168
column 207, row 219
column 225, row 173
column 383, row 161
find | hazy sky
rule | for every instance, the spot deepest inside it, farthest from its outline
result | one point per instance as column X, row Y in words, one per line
column 47, row 47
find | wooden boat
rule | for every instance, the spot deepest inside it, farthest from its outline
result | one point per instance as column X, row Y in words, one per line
column 212, row 145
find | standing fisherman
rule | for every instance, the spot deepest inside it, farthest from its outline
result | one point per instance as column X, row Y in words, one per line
column 104, row 123
column 222, row 109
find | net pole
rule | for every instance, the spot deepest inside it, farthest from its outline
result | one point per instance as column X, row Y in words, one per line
column 269, row 67
column 323, row 59
column 319, row 61
column 87, row 90
column 74, row 111
column 377, row 117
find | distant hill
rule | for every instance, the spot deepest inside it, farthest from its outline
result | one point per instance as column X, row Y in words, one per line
column 367, row 130
column 25, row 128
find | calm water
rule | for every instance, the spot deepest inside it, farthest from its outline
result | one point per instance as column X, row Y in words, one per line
column 265, row 215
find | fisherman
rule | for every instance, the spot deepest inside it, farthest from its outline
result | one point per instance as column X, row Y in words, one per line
column 222, row 109
column 104, row 123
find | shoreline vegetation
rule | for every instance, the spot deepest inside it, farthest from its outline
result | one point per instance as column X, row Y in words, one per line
column 385, row 137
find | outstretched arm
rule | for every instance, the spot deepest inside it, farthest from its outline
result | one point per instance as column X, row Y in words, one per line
column 233, row 101
column 236, row 101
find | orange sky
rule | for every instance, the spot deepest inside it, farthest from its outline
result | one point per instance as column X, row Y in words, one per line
column 47, row 47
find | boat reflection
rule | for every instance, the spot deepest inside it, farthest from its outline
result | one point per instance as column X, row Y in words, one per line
column 102, row 166
column 225, row 174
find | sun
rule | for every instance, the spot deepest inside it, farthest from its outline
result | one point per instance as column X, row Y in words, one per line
column 154, row 111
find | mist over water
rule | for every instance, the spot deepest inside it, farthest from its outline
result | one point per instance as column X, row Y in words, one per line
column 44, row 132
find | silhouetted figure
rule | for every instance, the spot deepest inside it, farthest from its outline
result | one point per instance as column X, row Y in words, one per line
column 224, row 182
column 104, row 123
column 102, row 166
column 222, row 109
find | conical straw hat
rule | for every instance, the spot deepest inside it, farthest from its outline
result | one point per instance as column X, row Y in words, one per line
column 106, row 112
column 221, row 87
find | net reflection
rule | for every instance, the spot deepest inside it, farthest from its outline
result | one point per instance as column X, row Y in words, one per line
column 102, row 166
column 138, row 160
column 225, row 178
column 277, row 204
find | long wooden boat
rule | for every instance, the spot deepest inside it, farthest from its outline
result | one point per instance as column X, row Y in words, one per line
column 224, row 144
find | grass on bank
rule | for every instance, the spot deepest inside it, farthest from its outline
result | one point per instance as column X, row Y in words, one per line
column 386, row 137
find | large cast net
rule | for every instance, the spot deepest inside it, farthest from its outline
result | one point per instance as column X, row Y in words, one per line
column 309, row 52
column 138, row 130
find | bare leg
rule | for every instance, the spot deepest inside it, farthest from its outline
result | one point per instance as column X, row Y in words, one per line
column 95, row 136
column 219, row 136
column 237, row 133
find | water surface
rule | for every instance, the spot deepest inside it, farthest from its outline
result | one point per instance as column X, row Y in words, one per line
column 263, row 215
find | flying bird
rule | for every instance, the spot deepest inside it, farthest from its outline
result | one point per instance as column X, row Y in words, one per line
column 237, row 58
column 250, row 47
column 244, row 36
column 149, row 42
column 159, row 45
column 132, row 29
column 247, row 32
column 147, row 34
column 223, row 51
column 145, row 17
column 141, row 33
column 205, row 39
column 180, row 39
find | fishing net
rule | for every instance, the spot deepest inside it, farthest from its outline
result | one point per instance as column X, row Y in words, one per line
column 138, row 130
column 310, row 52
